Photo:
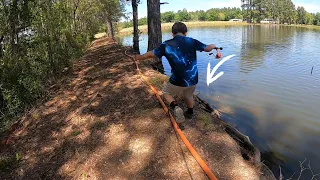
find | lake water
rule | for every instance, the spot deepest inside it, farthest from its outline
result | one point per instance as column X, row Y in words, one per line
column 267, row 90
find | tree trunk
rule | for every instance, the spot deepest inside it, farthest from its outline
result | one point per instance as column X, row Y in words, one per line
column 1, row 49
column 154, row 30
column 49, row 50
column 75, row 4
column 135, row 27
column 154, row 24
column 13, row 22
column 110, row 32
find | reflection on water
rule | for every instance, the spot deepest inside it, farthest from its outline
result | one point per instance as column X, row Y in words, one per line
column 256, row 40
column 267, row 90
column 252, row 49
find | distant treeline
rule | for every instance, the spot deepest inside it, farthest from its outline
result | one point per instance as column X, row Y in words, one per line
column 223, row 14
column 279, row 11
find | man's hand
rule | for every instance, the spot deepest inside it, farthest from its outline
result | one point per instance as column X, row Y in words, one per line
column 210, row 47
column 147, row 55
column 133, row 56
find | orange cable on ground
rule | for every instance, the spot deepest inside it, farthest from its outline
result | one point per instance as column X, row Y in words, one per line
column 194, row 153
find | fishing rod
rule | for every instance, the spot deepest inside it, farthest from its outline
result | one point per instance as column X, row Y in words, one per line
column 218, row 55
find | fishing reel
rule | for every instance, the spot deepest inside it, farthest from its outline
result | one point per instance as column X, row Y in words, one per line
column 218, row 55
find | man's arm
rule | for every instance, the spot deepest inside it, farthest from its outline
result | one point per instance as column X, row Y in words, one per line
column 210, row 48
column 145, row 56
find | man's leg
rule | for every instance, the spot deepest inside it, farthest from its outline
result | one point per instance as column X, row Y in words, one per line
column 169, row 91
column 188, row 95
column 169, row 99
column 189, row 102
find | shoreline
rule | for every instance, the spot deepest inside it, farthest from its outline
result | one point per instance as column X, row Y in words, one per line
column 167, row 26
column 248, row 151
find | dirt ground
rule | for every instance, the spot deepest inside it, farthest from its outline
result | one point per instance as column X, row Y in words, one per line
column 104, row 122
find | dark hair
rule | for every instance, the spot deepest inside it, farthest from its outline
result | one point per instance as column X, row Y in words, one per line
column 179, row 27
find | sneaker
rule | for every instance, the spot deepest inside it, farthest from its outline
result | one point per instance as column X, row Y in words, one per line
column 181, row 126
column 178, row 114
column 188, row 115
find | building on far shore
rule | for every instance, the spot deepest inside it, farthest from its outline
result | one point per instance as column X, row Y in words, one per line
column 247, row 7
column 268, row 21
column 236, row 20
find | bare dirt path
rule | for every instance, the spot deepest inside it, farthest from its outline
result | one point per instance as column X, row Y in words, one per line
column 103, row 122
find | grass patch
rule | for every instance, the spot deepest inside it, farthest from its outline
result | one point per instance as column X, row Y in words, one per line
column 158, row 81
column 35, row 116
column 303, row 26
column 6, row 121
column 100, row 35
column 76, row 133
column 204, row 120
column 18, row 156
column 8, row 162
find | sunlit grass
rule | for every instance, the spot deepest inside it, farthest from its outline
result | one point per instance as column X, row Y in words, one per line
column 204, row 120
column 304, row 26
column 159, row 81
column 165, row 26
column 100, row 35
column 76, row 133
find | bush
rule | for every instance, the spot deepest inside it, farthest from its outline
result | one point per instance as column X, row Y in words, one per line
column 167, row 16
column 142, row 21
column 182, row 15
column 202, row 16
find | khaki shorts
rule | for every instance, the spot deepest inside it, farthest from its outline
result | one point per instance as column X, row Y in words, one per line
column 173, row 90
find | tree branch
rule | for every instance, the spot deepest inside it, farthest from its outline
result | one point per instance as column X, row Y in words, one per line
column 280, row 176
column 302, row 168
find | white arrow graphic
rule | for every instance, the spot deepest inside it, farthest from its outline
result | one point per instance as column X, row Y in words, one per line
column 210, row 74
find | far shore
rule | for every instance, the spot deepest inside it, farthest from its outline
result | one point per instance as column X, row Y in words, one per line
column 302, row 25
column 166, row 26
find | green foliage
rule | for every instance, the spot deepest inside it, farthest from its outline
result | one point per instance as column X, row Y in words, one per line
column 76, row 133
column 223, row 14
column 302, row 15
column 212, row 15
column 39, row 39
column 143, row 21
column 182, row 15
column 167, row 16
column 309, row 18
column 316, row 20
column 113, row 9
column 126, row 24
column 7, row 162
column 18, row 157
column 202, row 16
column 281, row 11
column 221, row 17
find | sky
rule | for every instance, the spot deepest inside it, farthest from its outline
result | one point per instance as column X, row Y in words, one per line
column 312, row 6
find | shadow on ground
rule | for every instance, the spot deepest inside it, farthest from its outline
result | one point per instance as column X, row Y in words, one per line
column 103, row 122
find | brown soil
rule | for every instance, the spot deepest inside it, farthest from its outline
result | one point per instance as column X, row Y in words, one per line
column 103, row 122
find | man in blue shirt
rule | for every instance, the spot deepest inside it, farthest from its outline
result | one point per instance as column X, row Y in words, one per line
column 181, row 54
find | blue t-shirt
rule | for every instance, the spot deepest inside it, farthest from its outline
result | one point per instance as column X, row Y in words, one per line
column 181, row 54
